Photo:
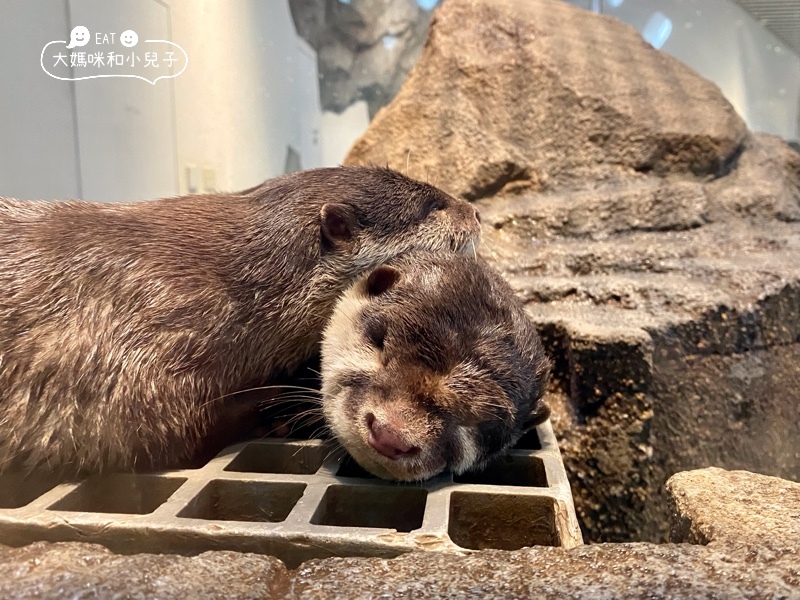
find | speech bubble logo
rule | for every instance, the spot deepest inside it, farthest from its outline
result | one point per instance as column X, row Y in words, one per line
column 128, row 38
column 172, row 63
column 79, row 36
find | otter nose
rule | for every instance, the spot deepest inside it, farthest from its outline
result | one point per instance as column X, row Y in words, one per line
column 477, row 216
column 386, row 442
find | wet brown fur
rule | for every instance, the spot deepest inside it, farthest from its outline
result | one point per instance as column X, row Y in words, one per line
column 124, row 326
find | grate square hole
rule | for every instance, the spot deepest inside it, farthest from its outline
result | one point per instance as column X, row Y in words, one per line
column 298, row 459
column 383, row 507
column 224, row 500
column 125, row 494
column 19, row 489
column 508, row 470
column 529, row 441
column 350, row 468
column 502, row 521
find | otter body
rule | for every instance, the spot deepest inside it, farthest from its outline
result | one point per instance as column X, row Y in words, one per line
column 123, row 327
column 430, row 363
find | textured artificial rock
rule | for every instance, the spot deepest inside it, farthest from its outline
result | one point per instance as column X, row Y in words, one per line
column 599, row 571
column 538, row 95
column 74, row 570
column 83, row 571
column 365, row 48
column 736, row 510
column 750, row 523
column 654, row 240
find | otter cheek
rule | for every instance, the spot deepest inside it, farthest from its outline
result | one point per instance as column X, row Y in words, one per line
column 464, row 234
column 466, row 449
column 430, row 461
column 465, row 222
column 336, row 417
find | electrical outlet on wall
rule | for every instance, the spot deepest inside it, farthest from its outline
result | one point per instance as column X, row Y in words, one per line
column 209, row 179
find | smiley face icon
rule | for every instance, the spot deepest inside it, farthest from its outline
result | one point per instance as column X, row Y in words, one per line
column 128, row 38
column 79, row 36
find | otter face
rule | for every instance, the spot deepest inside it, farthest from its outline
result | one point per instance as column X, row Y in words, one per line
column 387, row 213
column 429, row 363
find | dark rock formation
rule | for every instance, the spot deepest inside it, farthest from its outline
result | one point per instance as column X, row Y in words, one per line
column 655, row 241
column 750, row 522
column 365, row 48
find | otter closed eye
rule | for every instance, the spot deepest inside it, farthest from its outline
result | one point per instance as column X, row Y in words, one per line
column 435, row 205
column 375, row 331
column 460, row 382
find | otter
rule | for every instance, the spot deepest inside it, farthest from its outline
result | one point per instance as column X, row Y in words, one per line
column 429, row 362
column 126, row 328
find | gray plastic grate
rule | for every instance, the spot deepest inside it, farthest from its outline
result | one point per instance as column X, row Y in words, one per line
column 296, row 499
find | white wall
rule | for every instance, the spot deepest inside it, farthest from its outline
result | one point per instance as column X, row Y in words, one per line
column 758, row 74
column 340, row 131
column 249, row 92
column 126, row 127
column 38, row 152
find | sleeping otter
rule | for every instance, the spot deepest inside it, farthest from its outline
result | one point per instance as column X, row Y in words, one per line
column 125, row 328
column 429, row 362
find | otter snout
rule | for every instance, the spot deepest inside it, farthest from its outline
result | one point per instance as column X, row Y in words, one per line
column 387, row 441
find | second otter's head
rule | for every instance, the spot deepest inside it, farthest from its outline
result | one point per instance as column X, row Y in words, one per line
column 429, row 363
column 382, row 213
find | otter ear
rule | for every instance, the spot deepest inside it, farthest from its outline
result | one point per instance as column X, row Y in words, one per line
column 381, row 279
column 540, row 414
column 337, row 225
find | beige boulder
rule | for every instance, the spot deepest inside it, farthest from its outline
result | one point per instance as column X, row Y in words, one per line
column 513, row 95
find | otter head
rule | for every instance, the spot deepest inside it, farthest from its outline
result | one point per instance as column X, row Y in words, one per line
column 384, row 213
column 429, row 363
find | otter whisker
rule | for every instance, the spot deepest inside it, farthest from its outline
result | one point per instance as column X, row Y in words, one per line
column 336, row 447
column 285, row 386
column 313, row 409
column 486, row 247
column 323, row 428
column 292, row 396
column 258, row 389
column 286, row 408
column 309, row 417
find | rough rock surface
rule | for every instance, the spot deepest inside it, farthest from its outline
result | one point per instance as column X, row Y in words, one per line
column 538, row 95
column 600, row 571
column 654, row 240
column 750, row 523
column 736, row 510
column 77, row 570
column 365, row 48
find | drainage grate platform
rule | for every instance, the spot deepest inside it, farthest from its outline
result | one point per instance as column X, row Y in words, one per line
column 296, row 499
